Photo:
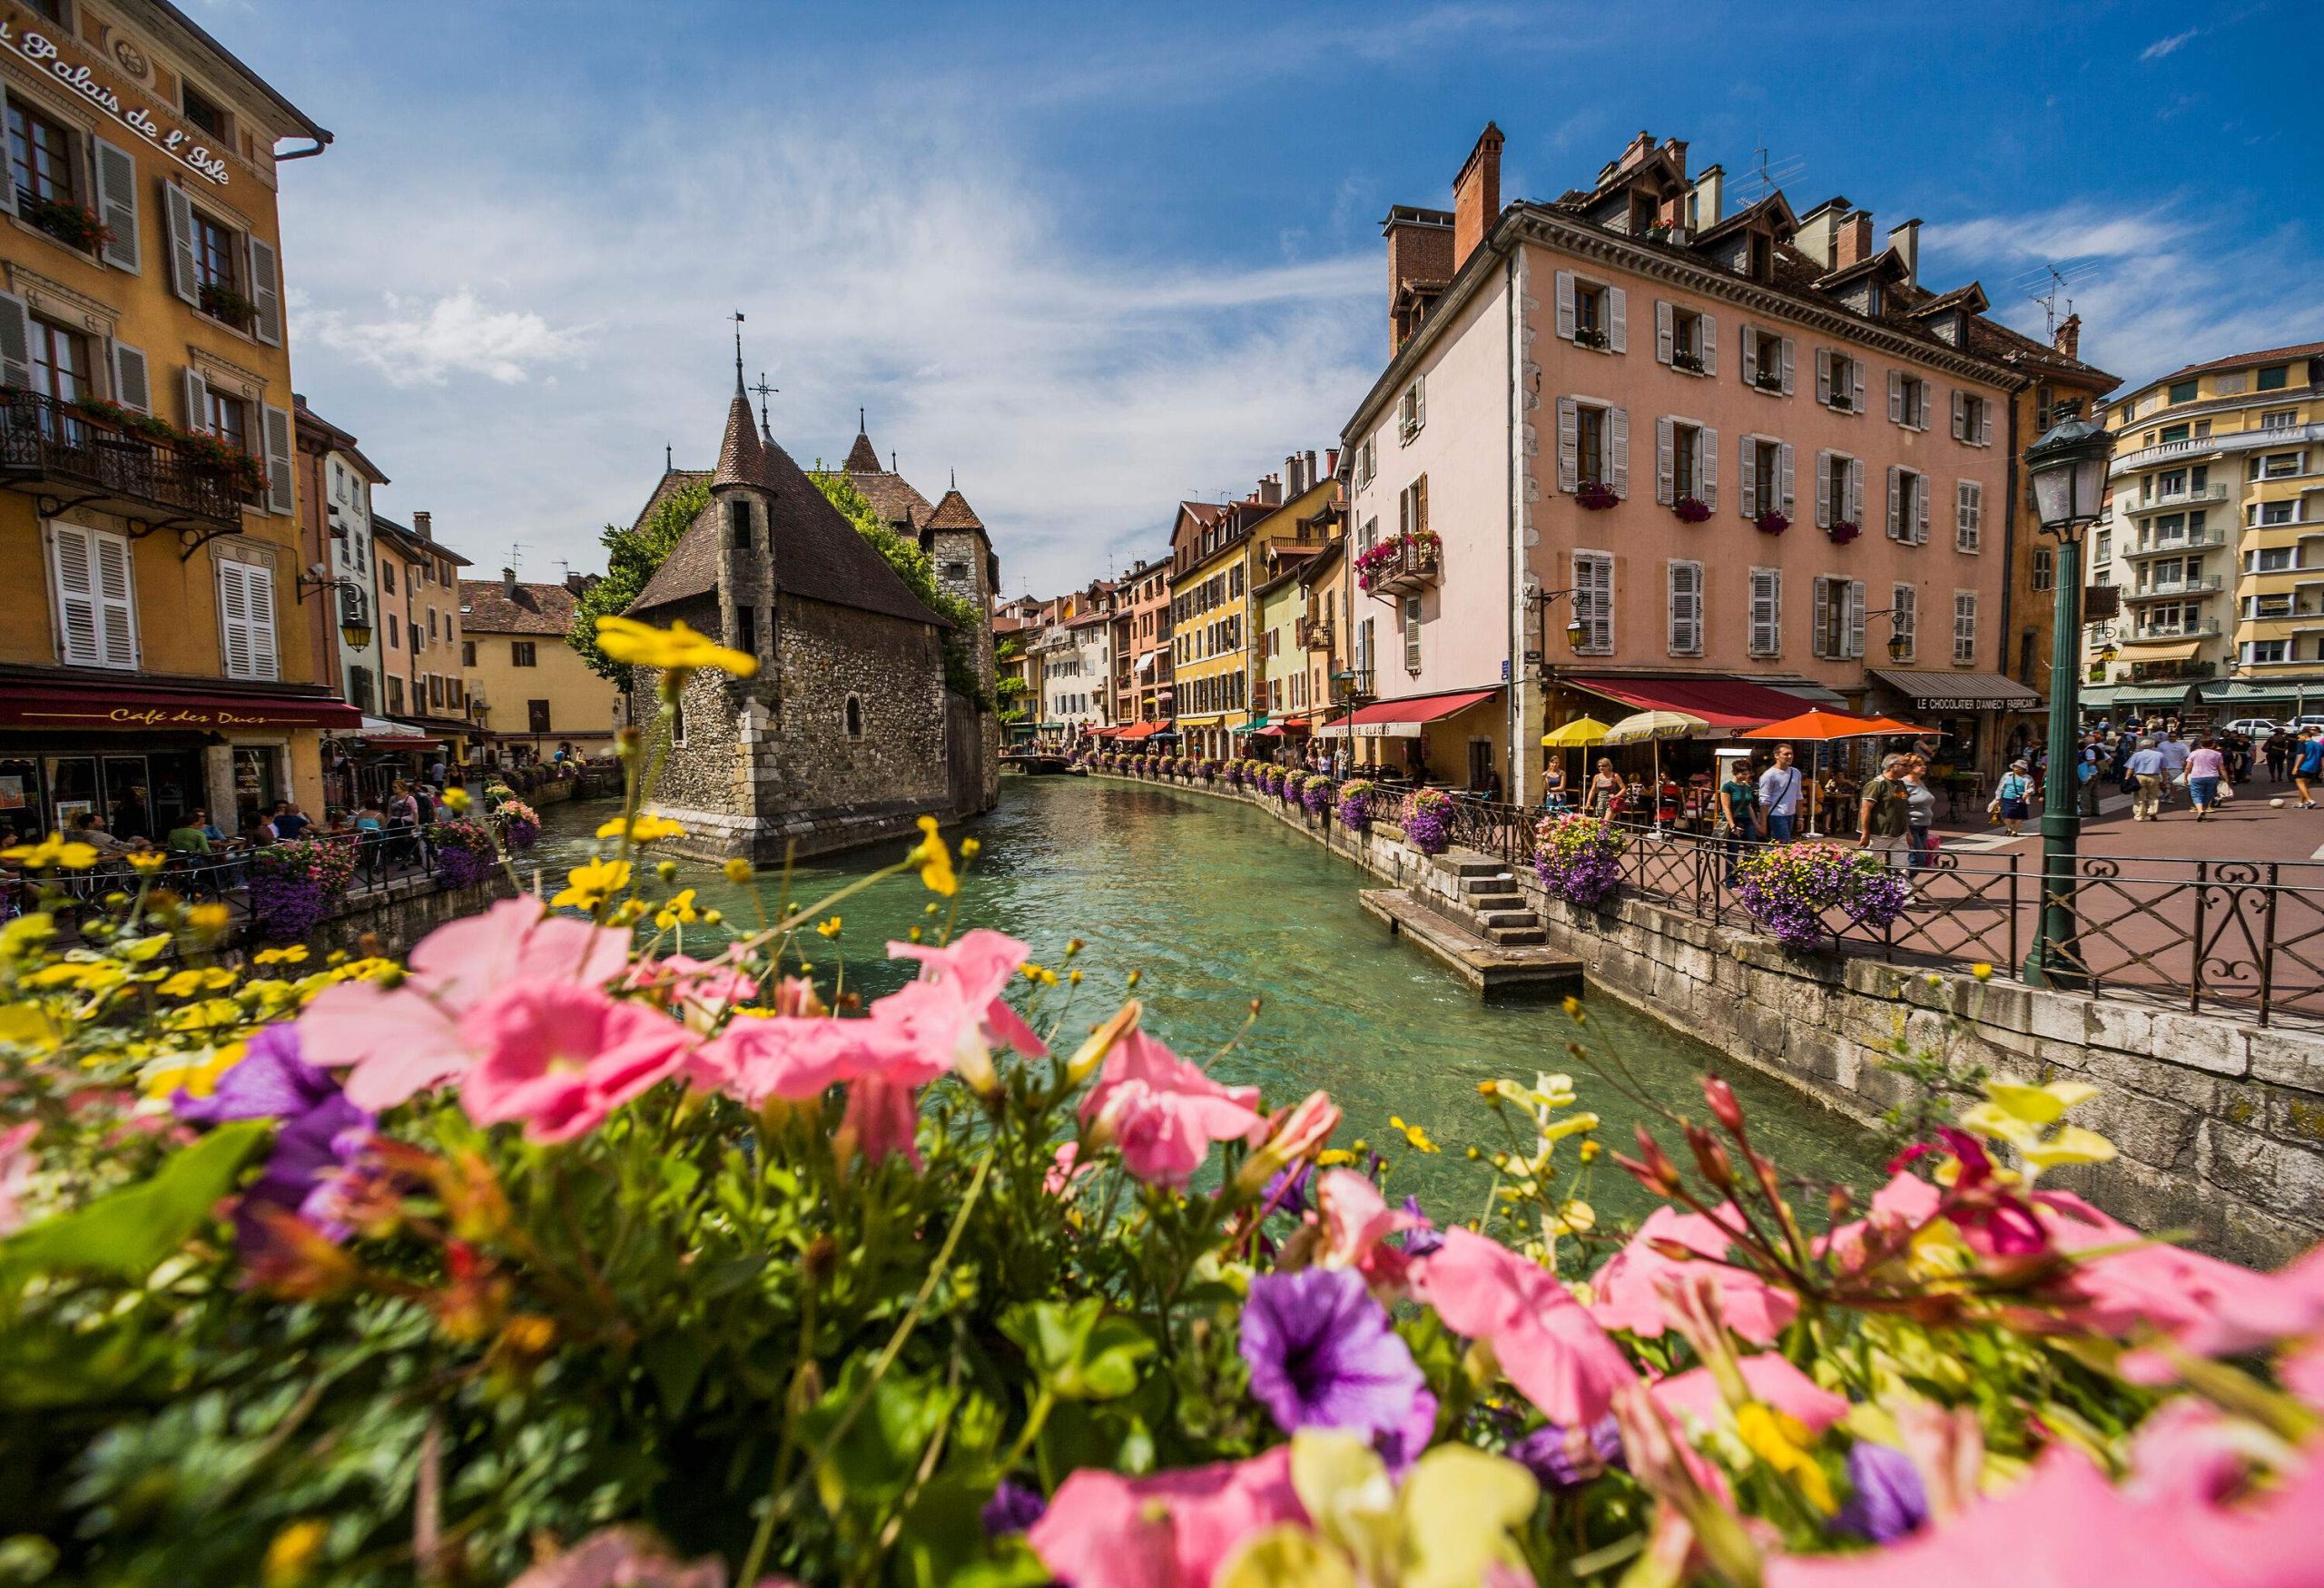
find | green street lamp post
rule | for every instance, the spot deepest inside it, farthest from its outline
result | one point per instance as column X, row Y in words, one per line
column 2068, row 468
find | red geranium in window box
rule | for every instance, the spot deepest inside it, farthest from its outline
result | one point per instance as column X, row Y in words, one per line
column 1772, row 522
column 1596, row 495
column 1844, row 530
column 1691, row 509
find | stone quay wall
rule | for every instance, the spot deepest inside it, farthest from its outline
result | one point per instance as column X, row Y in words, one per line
column 2219, row 1124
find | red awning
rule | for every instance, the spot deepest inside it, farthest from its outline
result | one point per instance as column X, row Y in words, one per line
column 1728, row 704
column 38, row 705
column 1420, row 708
column 1144, row 730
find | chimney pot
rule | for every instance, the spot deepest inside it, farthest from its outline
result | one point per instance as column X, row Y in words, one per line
column 1291, row 485
column 1710, row 193
column 2069, row 336
column 508, row 583
column 1906, row 240
column 1476, row 196
column 423, row 526
column 1307, row 475
column 578, row 583
column 1332, row 461
column 1852, row 244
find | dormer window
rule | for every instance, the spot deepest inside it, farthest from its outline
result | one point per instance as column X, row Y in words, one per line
column 1762, row 257
column 1643, row 210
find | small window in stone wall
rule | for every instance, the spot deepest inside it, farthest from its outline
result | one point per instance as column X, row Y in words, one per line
column 956, row 571
column 738, row 524
column 678, row 723
column 854, row 718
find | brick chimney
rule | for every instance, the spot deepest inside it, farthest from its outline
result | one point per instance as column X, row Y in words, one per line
column 577, row 583
column 423, row 526
column 1331, row 462
column 1270, row 492
column 2068, row 338
column 1291, row 484
column 1852, row 241
column 1420, row 249
column 507, row 582
column 1476, row 196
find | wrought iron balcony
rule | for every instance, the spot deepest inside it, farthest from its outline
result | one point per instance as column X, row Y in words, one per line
column 1313, row 634
column 1404, row 564
column 71, row 457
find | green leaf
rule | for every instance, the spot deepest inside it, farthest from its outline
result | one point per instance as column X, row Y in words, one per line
column 128, row 1233
column 1077, row 1350
column 875, row 1459
column 675, row 1357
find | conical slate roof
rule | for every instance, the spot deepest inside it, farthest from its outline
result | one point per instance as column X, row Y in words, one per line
column 953, row 512
column 863, row 458
column 818, row 553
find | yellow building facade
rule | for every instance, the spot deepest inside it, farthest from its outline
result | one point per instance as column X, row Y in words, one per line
column 530, row 693
column 2214, row 541
column 158, row 661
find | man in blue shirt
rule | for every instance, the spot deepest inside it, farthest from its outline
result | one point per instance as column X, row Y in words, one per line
column 2147, row 770
column 1780, row 796
column 2308, row 766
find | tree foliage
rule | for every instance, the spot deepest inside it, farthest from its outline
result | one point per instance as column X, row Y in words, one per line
column 631, row 556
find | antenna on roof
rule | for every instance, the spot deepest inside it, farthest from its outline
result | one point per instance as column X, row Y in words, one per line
column 737, row 318
column 2048, row 283
column 1770, row 172
column 517, row 555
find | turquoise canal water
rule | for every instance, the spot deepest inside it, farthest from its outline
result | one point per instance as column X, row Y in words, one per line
column 1215, row 904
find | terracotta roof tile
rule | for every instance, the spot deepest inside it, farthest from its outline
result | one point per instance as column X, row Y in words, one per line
column 954, row 513
column 863, row 458
column 892, row 496
column 488, row 607
column 2266, row 355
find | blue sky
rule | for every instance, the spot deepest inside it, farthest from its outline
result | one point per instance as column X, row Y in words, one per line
column 1095, row 259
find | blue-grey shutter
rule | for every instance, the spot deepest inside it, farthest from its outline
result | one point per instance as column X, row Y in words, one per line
column 266, row 292
column 185, row 271
column 116, row 171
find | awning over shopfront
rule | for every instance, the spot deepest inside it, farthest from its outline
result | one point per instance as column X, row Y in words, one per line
column 1143, row 730
column 386, row 735
column 45, row 705
column 1402, row 719
column 2177, row 693
column 1728, row 706
column 2231, row 697
column 1933, row 691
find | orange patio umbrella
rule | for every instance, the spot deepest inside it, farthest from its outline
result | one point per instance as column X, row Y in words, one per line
column 1818, row 727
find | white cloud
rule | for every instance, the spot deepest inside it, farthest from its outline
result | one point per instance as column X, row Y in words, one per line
column 2164, row 46
column 418, row 343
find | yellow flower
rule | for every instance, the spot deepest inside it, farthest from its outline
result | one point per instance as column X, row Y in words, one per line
column 209, row 918
column 970, row 849
column 1575, row 1217
column 589, row 886
column 195, row 1074
column 292, row 1554
column 916, row 933
column 1781, row 1440
column 829, row 928
column 456, row 800
column 1332, row 1157
column 1590, row 1151
column 933, row 860
column 737, row 871
column 2030, row 1119
column 184, row 984
column 678, row 911
column 1413, row 1135
column 674, row 649
column 647, row 829
column 148, row 861
column 1982, row 971
column 1073, row 975
column 296, row 955
column 52, row 851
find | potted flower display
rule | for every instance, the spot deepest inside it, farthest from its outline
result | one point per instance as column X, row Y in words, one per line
column 1844, row 530
column 1691, row 509
column 1316, row 794
column 1428, row 820
column 1579, row 858
column 465, row 853
column 1419, row 547
column 1789, row 888
column 297, row 886
column 1357, row 795
column 73, row 225
column 1596, row 495
column 1774, row 521
column 518, row 824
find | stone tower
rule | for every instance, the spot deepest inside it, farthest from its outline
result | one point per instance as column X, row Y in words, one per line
column 967, row 566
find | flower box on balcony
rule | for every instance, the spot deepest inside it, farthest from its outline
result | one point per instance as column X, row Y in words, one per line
column 73, row 225
column 1683, row 358
column 1596, row 495
column 226, row 305
column 1590, row 336
column 1844, row 530
column 1401, row 563
column 1691, row 509
column 1771, row 522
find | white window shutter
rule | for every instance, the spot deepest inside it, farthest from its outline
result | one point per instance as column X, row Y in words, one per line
column 1922, row 393
column 15, row 336
column 1855, row 492
column 1823, row 490
column 1750, row 356
column 1821, row 618
column 1747, row 474
column 116, row 171
column 1569, row 446
column 1895, row 503
column 1707, row 467
column 233, row 620
column 1920, row 511
column 1856, row 617
column 197, row 401
column 1618, row 320
column 1662, row 331
column 1686, row 608
column 278, row 461
column 1856, row 385
column 132, row 387
column 1618, row 443
column 1662, row 471
column 1710, row 344
column 266, row 292
column 185, row 271
column 1787, row 365
column 259, row 586
column 7, row 187
column 1789, row 499
column 1565, row 305
column 1960, row 416
column 1420, row 400
column 1985, row 423
column 1824, row 376
column 1895, row 398
column 73, row 559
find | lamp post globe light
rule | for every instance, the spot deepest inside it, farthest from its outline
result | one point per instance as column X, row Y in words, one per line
column 2068, row 470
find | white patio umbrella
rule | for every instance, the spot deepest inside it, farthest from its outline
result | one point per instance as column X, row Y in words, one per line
column 1652, row 727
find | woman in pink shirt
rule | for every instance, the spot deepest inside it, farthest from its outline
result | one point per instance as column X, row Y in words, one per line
column 2205, row 767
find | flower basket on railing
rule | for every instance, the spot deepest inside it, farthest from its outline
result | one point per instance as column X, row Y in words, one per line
column 1579, row 858
column 1596, row 495
column 1691, row 509
column 1771, row 522
column 1316, row 794
column 465, row 853
column 1211, row 769
column 1428, row 820
column 297, row 886
column 1357, row 795
column 1844, row 530
column 518, row 824
column 1417, row 551
column 1789, row 888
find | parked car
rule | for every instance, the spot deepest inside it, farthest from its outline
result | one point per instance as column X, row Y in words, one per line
column 2254, row 728
column 2302, row 724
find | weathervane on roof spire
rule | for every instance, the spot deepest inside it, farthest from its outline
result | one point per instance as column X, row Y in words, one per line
column 737, row 318
column 764, row 389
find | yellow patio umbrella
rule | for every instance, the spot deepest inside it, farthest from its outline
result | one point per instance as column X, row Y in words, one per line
column 1578, row 734
column 1653, row 727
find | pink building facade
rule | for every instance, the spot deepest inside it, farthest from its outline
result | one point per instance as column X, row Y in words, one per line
column 1727, row 448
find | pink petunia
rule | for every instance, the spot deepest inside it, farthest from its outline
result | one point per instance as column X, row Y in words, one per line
column 1547, row 1345
column 1173, row 1530
column 1357, row 1223
column 397, row 1042
column 1625, row 1291
column 1067, row 1170
column 883, row 1118
column 1772, row 1380
column 702, row 988
column 16, row 1166
column 978, row 963
column 561, row 1057
column 922, row 1030
column 1164, row 1112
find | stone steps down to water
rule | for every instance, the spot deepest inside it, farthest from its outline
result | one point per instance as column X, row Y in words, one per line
column 1489, row 968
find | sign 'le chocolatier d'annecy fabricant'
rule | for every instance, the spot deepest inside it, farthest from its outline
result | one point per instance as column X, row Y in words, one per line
column 47, row 57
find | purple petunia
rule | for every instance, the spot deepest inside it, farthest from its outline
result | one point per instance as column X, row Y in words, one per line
column 320, row 1135
column 1566, row 1458
column 1889, row 1501
column 1323, row 1356
column 1423, row 1239
column 1014, row 1507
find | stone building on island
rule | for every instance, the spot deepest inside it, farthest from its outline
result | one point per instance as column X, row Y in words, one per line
column 847, row 732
